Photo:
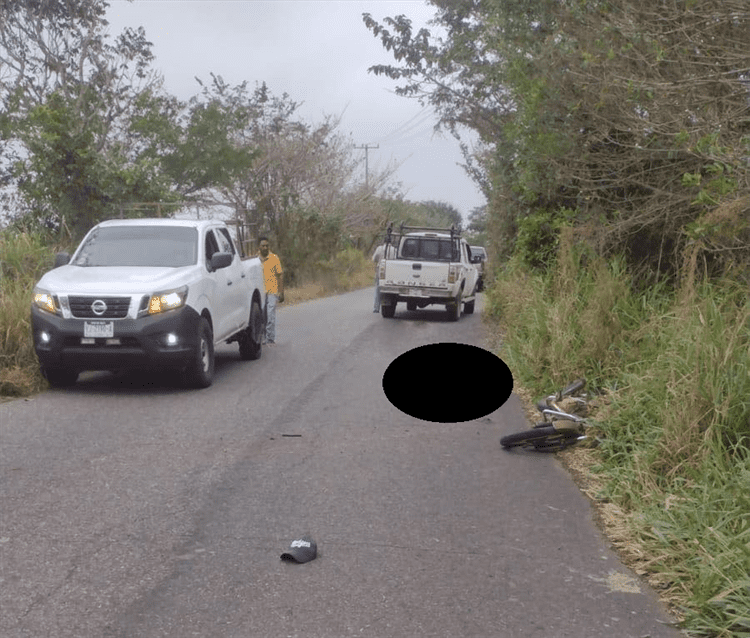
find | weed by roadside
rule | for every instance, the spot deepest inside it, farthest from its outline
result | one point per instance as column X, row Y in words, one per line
column 348, row 270
column 670, row 478
column 24, row 257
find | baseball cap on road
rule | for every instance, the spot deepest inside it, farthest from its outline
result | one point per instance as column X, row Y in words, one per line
column 301, row 550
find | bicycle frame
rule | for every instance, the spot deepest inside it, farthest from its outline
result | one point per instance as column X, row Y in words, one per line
column 559, row 429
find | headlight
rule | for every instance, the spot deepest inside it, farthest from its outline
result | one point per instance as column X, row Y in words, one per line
column 163, row 301
column 46, row 301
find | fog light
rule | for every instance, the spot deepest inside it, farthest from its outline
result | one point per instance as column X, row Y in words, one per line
column 171, row 339
column 45, row 336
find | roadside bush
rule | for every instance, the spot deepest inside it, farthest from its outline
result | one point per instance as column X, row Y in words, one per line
column 24, row 257
column 673, row 457
column 346, row 270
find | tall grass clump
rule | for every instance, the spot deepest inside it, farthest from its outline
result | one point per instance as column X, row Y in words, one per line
column 673, row 453
column 578, row 320
column 24, row 257
column 347, row 270
column 676, row 452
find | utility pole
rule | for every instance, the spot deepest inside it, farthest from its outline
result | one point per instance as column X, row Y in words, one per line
column 367, row 163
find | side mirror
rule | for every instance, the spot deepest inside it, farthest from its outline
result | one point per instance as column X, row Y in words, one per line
column 61, row 259
column 476, row 259
column 221, row 260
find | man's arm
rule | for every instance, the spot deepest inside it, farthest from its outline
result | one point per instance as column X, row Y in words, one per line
column 280, row 284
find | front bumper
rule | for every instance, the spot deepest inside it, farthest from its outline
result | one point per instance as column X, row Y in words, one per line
column 136, row 343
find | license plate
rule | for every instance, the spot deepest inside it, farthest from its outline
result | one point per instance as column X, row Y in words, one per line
column 416, row 292
column 94, row 329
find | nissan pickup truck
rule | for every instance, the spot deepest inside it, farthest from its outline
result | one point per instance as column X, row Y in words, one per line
column 148, row 294
column 431, row 266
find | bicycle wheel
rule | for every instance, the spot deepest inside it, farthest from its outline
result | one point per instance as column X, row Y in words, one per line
column 541, row 438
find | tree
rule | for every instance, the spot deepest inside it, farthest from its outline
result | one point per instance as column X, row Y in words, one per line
column 442, row 214
column 626, row 119
column 279, row 173
column 66, row 95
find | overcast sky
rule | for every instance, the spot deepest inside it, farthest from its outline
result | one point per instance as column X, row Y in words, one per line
column 317, row 51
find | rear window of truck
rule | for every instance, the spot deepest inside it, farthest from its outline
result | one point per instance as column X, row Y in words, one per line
column 429, row 249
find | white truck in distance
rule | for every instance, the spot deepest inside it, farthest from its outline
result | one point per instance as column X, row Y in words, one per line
column 431, row 266
column 148, row 294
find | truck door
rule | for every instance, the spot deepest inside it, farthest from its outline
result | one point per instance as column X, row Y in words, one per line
column 219, row 290
column 238, row 297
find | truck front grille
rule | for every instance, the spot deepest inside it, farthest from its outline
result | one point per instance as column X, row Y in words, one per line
column 83, row 307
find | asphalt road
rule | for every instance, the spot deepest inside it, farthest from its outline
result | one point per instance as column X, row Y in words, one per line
column 134, row 508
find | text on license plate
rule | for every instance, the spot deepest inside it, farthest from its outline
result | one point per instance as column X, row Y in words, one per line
column 99, row 329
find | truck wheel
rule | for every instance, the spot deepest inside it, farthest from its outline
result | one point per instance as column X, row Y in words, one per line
column 454, row 308
column 251, row 339
column 200, row 372
column 388, row 311
column 60, row 377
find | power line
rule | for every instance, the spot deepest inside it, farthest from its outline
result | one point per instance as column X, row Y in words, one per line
column 411, row 125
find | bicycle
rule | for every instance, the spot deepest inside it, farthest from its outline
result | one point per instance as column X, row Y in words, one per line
column 561, row 426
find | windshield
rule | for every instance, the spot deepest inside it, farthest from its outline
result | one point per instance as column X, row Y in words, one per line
column 429, row 249
column 170, row 246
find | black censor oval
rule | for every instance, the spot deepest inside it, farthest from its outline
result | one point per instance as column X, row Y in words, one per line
column 447, row 382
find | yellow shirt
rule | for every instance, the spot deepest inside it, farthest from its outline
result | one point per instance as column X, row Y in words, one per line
column 271, row 268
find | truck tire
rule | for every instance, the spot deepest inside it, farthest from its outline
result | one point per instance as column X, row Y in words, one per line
column 388, row 311
column 469, row 307
column 252, row 338
column 60, row 377
column 454, row 308
column 200, row 371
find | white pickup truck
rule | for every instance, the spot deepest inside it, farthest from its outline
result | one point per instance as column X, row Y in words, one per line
column 431, row 266
column 148, row 294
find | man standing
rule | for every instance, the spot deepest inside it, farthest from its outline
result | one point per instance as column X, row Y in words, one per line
column 377, row 256
column 274, row 278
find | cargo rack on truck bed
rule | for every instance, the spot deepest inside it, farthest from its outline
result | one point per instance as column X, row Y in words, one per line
column 392, row 238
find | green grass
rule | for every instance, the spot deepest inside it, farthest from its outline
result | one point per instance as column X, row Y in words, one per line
column 24, row 257
column 674, row 426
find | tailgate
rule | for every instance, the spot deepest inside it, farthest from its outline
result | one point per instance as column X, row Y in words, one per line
column 419, row 274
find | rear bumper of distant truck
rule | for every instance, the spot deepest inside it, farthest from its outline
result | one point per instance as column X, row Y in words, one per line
column 390, row 294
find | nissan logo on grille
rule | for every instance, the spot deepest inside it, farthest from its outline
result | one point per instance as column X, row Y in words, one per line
column 98, row 307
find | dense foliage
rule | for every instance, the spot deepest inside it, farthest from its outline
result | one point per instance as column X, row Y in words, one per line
column 626, row 119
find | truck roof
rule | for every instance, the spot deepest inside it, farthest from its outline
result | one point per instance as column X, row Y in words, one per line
column 160, row 221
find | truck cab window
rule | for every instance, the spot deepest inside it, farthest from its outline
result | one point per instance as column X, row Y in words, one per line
column 225, row 243
column 211, row 248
